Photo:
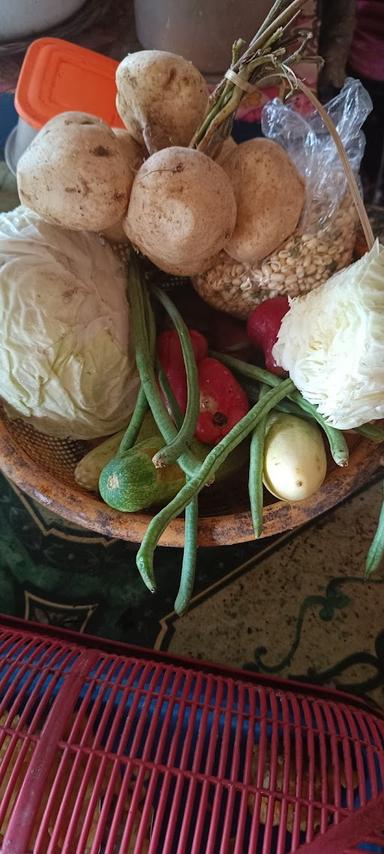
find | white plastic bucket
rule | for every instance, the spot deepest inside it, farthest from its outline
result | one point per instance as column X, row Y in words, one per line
column 20, row 18
column 202, row 31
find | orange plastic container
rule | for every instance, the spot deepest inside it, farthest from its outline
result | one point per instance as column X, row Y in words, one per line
column 57, row 75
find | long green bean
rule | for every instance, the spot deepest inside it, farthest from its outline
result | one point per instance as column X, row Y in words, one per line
column 255, row 476
column 252, row 390
column 145, row 367
column 214, row 459
column 188, row 568
column 375, row 554
column 336, row 439
column 173, row 407
column 253, row 372
column 141, row 405
column 150, row 323
column 173, row 450
column 133, row 429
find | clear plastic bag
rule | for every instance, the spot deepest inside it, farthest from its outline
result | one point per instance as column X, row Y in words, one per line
column 309, row 144
column 324, row 239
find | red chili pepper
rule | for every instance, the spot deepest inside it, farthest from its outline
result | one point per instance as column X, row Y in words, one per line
column 223, row 401
column 171, row 359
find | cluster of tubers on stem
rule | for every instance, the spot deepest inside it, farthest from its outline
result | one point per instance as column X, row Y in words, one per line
column 146, row 183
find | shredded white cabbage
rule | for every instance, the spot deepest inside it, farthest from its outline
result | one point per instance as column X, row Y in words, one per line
column 331, row 342
column 66, row 359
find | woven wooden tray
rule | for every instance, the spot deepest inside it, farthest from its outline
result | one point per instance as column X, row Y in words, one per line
column 44, row 468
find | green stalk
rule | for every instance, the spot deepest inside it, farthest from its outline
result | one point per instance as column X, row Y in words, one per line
column 255, row 478
column 145, row 367
column 141, row 405
column 269, row 27
column 275, row 10
column 212, row 462
column 188, row 568
column 375, row 554
column 287, row 406
column 253, row 372
column 170, row 397
column 149, row 320
column 173, row 450
column 336, row 439
column 133, row 429
column 263, row 55
column 144, row 344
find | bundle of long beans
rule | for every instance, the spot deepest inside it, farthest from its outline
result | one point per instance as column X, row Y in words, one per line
column 273, row 51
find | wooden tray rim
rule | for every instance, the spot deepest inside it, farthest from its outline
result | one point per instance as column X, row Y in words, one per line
column 87, row 510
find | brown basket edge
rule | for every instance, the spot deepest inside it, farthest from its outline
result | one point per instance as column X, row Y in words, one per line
column 88, row 511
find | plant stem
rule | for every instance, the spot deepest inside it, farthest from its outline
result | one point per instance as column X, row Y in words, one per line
column 141, row 405
column 133, row 429
column 288, row 406
column 375, row 554
column 173, row 450
column 284, row 20
column 255, row 478
column 173, row 406
column 273, row 12
column 145, row 367
column 188, row 568
column 265, row 53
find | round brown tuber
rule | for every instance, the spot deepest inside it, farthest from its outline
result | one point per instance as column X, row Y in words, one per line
column 74, row 173
column 134, row 154
column 269, row 194
column 182, row 210
column 161, row 98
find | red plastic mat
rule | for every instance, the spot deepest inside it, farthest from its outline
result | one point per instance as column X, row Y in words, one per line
column 109, row 749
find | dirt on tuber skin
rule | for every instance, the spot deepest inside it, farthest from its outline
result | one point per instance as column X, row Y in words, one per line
column 134, row 155
column 269, row 196
column 182, row 210
column 76, row 156
column 161, row 98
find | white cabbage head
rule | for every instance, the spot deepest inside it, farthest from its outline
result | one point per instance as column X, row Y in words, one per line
column 332, row 343
column 66, row 357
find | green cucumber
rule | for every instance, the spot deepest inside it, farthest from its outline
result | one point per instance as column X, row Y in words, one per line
column 130, row 482
column 88, row 470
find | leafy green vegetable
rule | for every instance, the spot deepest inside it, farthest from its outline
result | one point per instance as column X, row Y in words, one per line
column 66, row 360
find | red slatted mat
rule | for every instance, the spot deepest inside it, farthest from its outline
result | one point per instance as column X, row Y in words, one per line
column 106, row 748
